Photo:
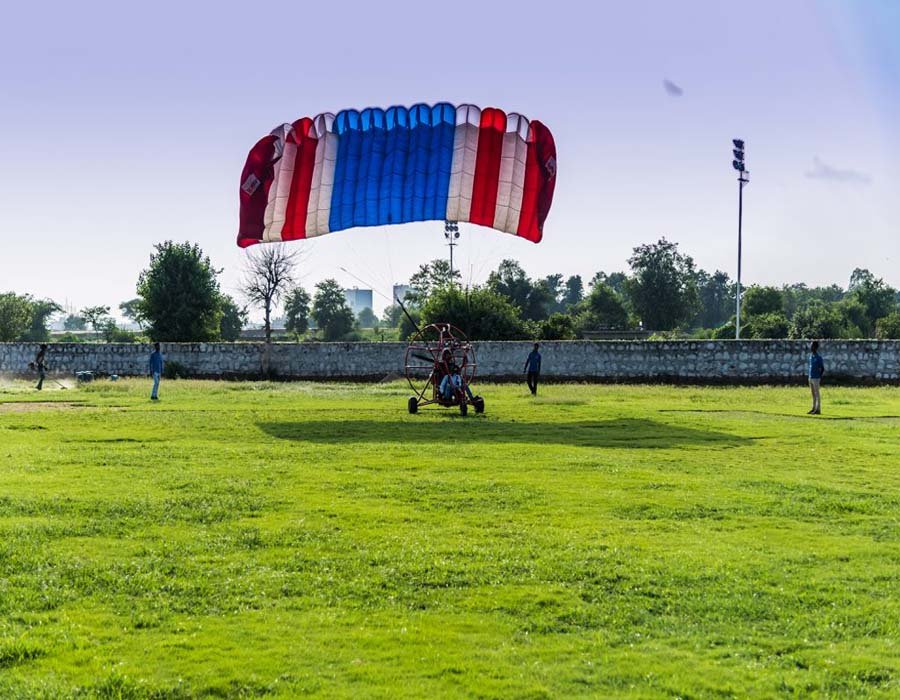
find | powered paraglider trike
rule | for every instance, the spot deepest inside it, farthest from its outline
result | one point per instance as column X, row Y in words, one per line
column 440, row 366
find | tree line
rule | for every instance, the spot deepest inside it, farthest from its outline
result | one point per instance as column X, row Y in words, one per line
column 178, row 298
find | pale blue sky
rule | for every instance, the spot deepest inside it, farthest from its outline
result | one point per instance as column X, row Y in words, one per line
column 123, row 124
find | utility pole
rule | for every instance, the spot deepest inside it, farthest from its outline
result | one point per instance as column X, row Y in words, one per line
column 743, row 179
column 451, row 233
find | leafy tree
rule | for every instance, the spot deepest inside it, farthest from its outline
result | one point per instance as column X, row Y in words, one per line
column 113, row 334
column 616, row 280
column 758, row 300
column 179, row 294
column 533, row 300
column 716, row 293
column 556, row 292
column 558, row 326
column 15, row 316
column 296, row 311
column 574, row 291
column 480, row 312
column 876, row 296
column 392, row 315
column 798, row 296
column 768, row 325
column 888, row 327
column 818, row 320
column 331, row 311
column 97, row 317
column 41, row 310
column 603, row 308
column 663, row 288
column 74, row 323
column 409, row 323
column 367, row 318
column 234, row 318
column 131, row 310
column 268, row 274
column 429, row 277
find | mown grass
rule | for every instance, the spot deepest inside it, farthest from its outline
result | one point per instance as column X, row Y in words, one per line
column 259, row 540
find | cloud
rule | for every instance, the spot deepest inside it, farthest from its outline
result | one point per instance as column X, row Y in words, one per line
column 823, row 171
column 672, row 90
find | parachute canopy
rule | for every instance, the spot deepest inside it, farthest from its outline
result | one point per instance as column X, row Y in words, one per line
column 398, row 165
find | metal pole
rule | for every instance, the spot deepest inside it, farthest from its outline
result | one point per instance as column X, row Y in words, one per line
column 737, row 315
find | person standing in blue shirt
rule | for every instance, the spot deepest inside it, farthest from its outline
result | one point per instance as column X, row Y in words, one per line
column 156, row 370
column 533, row 369
column 816, row 370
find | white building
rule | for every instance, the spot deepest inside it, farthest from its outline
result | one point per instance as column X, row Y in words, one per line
column 358, row 299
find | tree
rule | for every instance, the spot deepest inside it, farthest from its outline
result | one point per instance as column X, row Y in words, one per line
column 296, row 311
column 817, row 320
column 716, row 298
column 574, row 291
column 179, row 294
column 234, row 318
column 663, row 288
column 556, row 292
column 533, row 300
column 876, row 296
column 131, row 310
column 430, row 276
column 74, row 323
column 367, row 318
column 888, row 327
column 331, row 311
column 41, row 310
column 268, row 274
column 15, row 316
column 603, row 308
column 392, row 315
column 757, row 300
column 558, row 326
column 97, row 317
column 616, row 280
column 768, row 325
column 480, row 312
column 798, row 296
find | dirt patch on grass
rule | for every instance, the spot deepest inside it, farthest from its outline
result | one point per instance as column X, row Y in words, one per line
column 34, row 406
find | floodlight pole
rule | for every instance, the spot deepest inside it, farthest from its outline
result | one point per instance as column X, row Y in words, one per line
column 742, row 180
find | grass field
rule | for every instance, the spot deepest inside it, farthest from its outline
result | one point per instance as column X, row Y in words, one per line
column 244, row 540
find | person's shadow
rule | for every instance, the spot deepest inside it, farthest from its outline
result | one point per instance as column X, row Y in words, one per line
column 629, row 433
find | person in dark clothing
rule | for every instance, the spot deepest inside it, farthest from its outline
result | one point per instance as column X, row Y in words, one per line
column 816, row 370
column 533, row 369
column 156, row 370
column 40, row 365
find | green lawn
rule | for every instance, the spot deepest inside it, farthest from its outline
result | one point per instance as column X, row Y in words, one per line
column 250, row 539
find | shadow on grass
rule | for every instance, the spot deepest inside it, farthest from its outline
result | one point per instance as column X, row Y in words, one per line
column 622, row 433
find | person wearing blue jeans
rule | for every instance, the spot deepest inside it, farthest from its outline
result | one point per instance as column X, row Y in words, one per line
column 533, row 369
column 156, row 370
column 816, row 370
column 451, row 381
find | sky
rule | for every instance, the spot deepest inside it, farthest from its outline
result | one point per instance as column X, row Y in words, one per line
column 126, row 124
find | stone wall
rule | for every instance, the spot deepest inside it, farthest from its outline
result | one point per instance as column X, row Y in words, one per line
column 721, row 361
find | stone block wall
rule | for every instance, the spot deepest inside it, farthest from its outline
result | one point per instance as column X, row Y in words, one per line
column 681, row 361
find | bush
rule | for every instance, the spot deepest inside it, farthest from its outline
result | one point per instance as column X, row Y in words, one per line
column 175, row 370
column 819, row 321
column 888, row 327
column 770, row 325
column 558, row 327
column 480, row 313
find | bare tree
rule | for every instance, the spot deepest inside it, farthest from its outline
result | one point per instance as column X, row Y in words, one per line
column 268, row 274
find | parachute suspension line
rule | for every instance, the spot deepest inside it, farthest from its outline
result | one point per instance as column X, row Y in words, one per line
column 362, row 281
column 368, row 268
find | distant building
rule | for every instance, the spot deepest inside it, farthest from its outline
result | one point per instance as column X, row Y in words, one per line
column 401, row 291
column 358, row 299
